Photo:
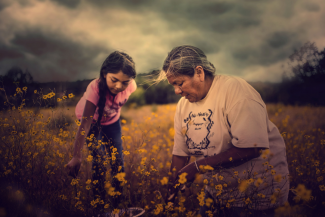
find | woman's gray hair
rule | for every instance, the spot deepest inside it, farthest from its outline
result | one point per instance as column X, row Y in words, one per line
column 183, row 60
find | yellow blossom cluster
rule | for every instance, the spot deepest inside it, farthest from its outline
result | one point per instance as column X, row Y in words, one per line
column 147, row 137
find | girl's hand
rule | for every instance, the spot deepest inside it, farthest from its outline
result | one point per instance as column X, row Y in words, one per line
column 74, row 166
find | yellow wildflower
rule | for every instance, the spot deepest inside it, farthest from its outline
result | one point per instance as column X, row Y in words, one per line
column 248, row 201
column 208, row 167
column 182, row 178
column 159, row 209
column 208, row 202
column 278, row 178
column 90, row 158
column 77, row 122
column 243, row 185
column 171, row 132
column 74, row 181
column 302, row 193
column 258, row 182
column 164, row 181
column 200, row 197
column 126, row 152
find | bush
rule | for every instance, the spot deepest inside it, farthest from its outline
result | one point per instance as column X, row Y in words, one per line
column 137, row 97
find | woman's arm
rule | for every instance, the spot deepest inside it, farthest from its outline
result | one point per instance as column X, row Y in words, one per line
column 178, row 162
column 75, row 162
column 232, row 157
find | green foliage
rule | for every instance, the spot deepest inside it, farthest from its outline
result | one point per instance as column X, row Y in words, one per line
column 13, row 79
column 305, row 82
column 61, row 121
column 137, row 97
column 161, row 93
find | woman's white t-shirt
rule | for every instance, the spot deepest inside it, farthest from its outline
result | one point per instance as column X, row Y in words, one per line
column 233, row 113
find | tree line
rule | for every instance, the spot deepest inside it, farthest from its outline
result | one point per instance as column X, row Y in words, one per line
column 303, row 83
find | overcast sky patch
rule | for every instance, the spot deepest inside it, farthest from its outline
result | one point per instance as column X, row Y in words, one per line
column 68, row 40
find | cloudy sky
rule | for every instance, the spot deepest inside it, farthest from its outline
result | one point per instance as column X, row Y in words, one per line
column 67, row 40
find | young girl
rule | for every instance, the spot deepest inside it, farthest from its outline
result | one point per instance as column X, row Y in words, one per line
column 99, row 112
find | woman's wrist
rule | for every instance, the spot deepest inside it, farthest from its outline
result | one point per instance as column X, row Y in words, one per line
column 197, row 167
column 77, row 155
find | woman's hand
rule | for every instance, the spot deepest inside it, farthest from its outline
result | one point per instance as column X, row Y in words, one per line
column 74, row 166
column 177, row 184
column 190, row 170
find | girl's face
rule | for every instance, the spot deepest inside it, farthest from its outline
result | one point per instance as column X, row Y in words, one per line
column 117, row 82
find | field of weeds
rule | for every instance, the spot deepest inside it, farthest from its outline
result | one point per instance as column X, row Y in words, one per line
column 37, row 143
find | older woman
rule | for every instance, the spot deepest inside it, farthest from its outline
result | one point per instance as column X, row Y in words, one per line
column 222, row 121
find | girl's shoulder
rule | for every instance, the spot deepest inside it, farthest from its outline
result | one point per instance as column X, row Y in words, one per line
column 132, row 86
column 93, row 86
column 94, row 82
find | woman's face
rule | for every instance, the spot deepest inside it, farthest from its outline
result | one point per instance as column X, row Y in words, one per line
column 189, row 87
column 117, row 82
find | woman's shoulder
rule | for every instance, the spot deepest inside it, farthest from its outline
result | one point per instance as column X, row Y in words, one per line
column 230, row 79
column 231, row 83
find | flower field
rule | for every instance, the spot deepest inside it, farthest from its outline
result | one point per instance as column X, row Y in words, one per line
column 36, row 143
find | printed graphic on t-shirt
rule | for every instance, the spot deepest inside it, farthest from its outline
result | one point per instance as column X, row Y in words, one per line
column 198, row 126
column 110, row 111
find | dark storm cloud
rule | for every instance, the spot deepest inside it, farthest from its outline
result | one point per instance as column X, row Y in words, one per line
column 277, row 47
column 219, row 17
column 3, row 5
column 68, row 3
column 309, row 6
column 129, row 4
column 9, row 53
column 207, row 45
column 50, row 56
column 279, row 39
column 252, row 36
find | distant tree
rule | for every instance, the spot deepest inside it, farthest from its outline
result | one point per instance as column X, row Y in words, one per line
column 149, row 92
column 309, row 63
column 16, row 77
column 305, row 84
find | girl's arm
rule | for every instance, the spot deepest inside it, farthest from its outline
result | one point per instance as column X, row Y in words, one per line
column 75, row 162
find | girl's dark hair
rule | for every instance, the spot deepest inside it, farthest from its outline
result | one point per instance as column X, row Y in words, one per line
column 183, row 60
column 115, row 62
